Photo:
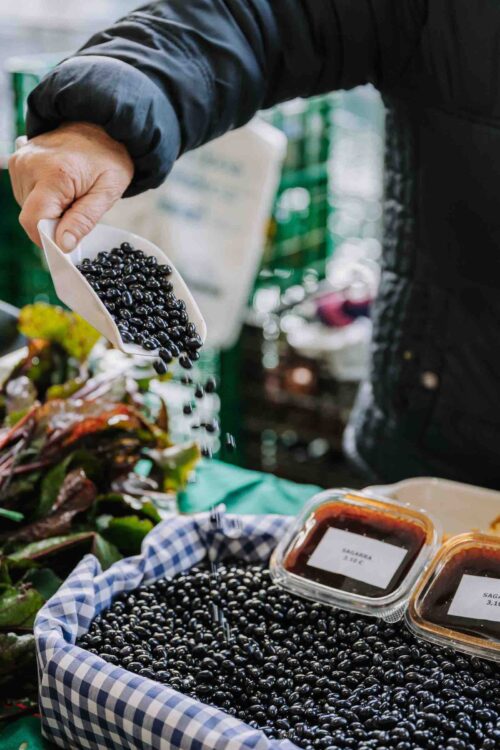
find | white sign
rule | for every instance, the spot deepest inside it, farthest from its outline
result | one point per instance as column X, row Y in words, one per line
column 211, row 217
column 358, row 557
column 477, row 598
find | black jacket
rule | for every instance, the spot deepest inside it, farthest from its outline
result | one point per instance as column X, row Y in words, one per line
column 175, row 74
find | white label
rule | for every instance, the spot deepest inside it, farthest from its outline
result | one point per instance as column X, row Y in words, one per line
column 358, row 557
column 477, row 598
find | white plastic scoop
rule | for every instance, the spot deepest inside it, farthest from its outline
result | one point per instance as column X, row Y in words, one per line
column 74, row 290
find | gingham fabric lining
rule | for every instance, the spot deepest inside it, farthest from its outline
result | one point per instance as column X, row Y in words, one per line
column 86, row 702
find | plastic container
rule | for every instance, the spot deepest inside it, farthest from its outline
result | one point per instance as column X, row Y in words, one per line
column 356, row 552
column 74, row 290
column 457, row 602
column 459, row 507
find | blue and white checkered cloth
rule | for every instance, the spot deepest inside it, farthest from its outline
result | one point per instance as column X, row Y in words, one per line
column 86, row 702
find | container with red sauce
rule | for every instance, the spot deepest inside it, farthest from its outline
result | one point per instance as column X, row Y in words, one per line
column 457, row 602
column 357, row 552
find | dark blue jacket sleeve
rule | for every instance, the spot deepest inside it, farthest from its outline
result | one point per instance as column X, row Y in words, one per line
column 175, row 74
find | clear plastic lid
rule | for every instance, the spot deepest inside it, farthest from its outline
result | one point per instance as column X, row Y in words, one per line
column 457, row 601
column 355, row 551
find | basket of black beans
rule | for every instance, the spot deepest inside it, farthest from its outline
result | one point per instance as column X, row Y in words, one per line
column 192, row 645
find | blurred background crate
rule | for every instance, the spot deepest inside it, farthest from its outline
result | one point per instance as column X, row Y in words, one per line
column 287, row 410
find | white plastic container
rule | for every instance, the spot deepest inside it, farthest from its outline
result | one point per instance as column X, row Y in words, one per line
column 356, row 552
column 459, row 507
column 457, row 602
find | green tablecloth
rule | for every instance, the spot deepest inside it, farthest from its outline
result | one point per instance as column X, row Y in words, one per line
column 242, row 491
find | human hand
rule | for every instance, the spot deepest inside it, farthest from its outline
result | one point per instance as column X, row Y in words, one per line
column 76, row 172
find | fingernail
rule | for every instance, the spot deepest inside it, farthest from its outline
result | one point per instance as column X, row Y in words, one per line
column 68, row 241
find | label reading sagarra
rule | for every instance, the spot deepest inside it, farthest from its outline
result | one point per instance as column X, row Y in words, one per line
column 477, row 598
column 358, row 557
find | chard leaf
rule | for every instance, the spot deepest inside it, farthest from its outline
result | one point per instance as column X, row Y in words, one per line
column 18, row 607
column 127, row 533
column 43, row 321
column 176, row 462
column 51, row 486
column 11, row 515
column 106, row 553
column 17, row 657
column 44, row 580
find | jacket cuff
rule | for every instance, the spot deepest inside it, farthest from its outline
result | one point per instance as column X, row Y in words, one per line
column 125, row 102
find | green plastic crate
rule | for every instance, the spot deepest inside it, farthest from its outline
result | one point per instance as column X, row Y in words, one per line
column 27, row 278
column 298, row 239
column 25, row 73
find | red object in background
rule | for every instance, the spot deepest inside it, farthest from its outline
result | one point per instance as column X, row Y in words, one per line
column 337, row 311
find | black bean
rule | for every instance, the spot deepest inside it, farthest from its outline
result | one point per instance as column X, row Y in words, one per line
column 210, row 385
column 185, row 362
column 194, row 342
column 230, row 442
column 124, row 276
column 163, row 338
column 165, row 354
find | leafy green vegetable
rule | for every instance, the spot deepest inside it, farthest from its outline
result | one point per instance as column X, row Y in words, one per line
column 43, row 321
column 149, row 510
column 76, row 495
column 14, row 417
column 17, row 656
column 106, row 553
column 12, row 515
column 46, row 546
column 117, row 504
column 64, row 390
column 177, row 462
column 18, row 608
column 43, row 580
column 71, row 438
column 51, row 486
column 127, row 533
column 62, row 553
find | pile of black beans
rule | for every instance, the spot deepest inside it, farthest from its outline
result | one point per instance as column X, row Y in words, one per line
column 138, row 293
column 322, row 678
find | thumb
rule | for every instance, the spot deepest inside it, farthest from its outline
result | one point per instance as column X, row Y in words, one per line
column 82, row 216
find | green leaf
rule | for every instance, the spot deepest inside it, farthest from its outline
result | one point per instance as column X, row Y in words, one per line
column 14, row 417
column 149, row 510
column 43, row 321
column 18, row 607
column 127, row 533
column 64, row 390
column 5, row 578
column 46, row 546
column 17, row 659
column 102, row 522
column 43, row 580
column 115, row 504
column 21, row 486
column 61, row 554
column 106, row 553
column 51, row 485
column 176, row 462
column 11, row 515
